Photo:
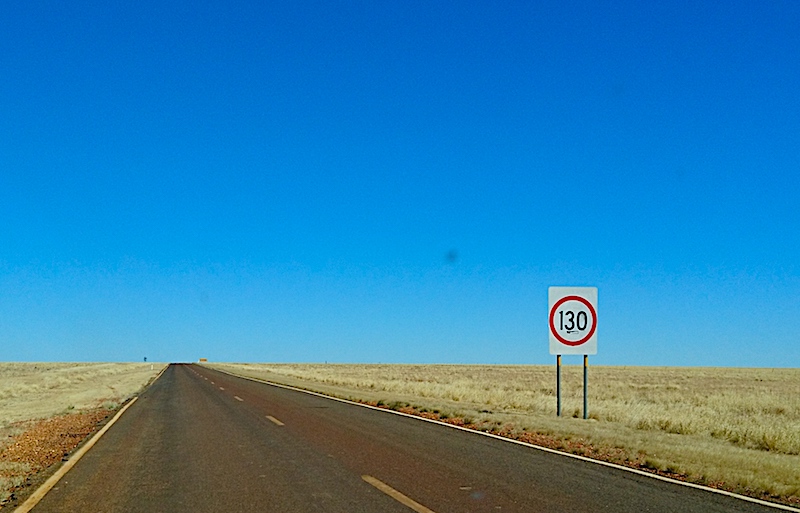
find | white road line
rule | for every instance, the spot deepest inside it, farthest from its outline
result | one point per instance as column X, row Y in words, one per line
column 238, row 398
column 275, row 421
column 394, row 494
column 221, row 388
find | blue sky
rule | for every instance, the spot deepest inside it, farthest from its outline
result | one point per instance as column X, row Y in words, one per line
column 398, row 181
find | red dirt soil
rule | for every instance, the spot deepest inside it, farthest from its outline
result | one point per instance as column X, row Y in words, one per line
column 45, row 443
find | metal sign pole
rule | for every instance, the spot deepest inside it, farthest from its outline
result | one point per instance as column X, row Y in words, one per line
column 585, row 386
column 558, row 385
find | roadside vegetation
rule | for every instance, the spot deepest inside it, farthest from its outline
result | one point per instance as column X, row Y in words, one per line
column 43, row 405
column 736, row 429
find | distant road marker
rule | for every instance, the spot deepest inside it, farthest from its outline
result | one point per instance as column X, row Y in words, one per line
column 238, row 398
column 221, row 388
column 394, row 494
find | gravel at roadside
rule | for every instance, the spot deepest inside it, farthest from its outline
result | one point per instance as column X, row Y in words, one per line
column 42, row 444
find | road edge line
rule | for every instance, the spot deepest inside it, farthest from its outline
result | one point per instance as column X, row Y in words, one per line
column 159, row 374
column 526, row 444
column 48, row 485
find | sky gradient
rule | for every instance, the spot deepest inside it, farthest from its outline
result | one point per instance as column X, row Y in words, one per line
column 398, row 181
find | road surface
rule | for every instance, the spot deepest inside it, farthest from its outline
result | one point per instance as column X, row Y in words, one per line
column 200, row 441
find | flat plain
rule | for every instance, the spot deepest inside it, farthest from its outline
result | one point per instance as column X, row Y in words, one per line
column 732, row 428
column 63, row 398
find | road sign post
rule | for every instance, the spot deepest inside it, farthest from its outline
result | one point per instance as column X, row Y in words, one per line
column 558, row 385
column 572, row 320
column 585, row 386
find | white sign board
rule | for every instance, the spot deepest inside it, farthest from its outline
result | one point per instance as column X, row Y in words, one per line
column 572, row 320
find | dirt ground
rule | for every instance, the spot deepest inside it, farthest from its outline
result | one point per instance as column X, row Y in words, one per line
column 41, row 445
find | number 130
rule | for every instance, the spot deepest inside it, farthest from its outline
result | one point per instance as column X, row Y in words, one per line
column 579, row 320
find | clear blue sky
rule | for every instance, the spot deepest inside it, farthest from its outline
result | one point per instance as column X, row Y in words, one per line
column 365, row 181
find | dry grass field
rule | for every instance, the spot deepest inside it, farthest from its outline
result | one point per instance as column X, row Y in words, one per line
column 30, row 392
column 737, row 429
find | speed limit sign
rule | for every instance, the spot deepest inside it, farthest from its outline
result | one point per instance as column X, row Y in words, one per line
column 573, row 320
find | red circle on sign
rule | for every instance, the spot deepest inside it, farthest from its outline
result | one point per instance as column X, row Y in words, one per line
column 553, row 326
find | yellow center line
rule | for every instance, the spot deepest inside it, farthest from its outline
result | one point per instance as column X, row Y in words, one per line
column 394, row 494
column 274, row 420
column 238, row 398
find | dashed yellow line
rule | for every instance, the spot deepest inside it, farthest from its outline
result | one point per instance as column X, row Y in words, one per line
column 394, row 494
column 275, row 421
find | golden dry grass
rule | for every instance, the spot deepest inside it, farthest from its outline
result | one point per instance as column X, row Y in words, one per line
column 33, row 391
column 39, row 390
column 740, row 427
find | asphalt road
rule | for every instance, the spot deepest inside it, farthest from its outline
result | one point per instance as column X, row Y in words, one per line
column 201, row 441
